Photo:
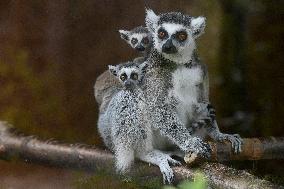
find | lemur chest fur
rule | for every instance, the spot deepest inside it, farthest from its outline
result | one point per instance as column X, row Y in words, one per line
column 185, row 88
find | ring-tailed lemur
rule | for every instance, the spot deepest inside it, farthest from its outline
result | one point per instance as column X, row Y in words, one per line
column 138, row 38
column 106, row 85
column 123, row 126
column 177, row 90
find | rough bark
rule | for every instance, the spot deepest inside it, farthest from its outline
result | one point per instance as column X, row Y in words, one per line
column 30, row 149
column 252, row 149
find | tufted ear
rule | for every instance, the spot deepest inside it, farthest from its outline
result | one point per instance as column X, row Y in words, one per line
column 143, row 67
column 124, row 34
column 151, row 20
column 197, row 26
column 113, row 70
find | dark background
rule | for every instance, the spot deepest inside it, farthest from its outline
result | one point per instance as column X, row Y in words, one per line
column 51, row 53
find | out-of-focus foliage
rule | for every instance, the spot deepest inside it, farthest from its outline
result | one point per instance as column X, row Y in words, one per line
column 199, row 182
column 109, row 180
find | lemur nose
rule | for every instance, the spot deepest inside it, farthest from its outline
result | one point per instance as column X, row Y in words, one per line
column 140, row 48
column 169, row 47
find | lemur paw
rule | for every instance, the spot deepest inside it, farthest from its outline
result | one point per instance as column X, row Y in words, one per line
column 168, row 174
column 197, row 146
column 235, row 140
column 172, row 161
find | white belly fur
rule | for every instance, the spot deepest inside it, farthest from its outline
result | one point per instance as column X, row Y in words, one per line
column 185, row 89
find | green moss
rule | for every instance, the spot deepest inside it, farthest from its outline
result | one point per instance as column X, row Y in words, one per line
column 199, row 182
column 105, row 180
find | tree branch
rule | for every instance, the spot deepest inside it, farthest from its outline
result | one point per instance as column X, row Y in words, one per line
column 51, row 153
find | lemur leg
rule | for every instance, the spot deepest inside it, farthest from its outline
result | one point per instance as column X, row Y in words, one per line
column 162, row 160
column 124, row 158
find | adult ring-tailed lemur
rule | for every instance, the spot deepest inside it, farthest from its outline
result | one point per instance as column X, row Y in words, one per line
column 179, row 116
column 177, row 86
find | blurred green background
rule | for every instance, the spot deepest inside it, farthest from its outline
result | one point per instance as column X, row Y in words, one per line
column 51, row 53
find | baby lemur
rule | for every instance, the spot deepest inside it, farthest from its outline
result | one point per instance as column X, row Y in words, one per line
column 123, row 126
column 106, row 85
column 139, row 39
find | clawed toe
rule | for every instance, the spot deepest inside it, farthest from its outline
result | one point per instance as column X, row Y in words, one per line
column 236, row 142
column 168, row 176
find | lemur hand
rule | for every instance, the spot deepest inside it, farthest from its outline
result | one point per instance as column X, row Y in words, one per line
column 197, row 146
column 235, row 140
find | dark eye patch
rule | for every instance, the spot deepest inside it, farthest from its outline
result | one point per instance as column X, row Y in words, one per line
column 134, row 41
column 162, row 33
column 134, row 76
column 145, row 40
column 123, row 77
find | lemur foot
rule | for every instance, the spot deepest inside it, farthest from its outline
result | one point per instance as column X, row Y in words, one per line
column 235, row 140
column 197, row 146
column 172, row 161
column 167, row 172
column 209, row 115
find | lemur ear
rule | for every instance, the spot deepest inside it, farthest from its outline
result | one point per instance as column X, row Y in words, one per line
column 143, row 67
column 124, row 34
column 197, row 26
column 151, row 20
column 113, row 70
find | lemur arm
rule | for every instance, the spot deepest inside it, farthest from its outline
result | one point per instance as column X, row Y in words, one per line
column 168, row 123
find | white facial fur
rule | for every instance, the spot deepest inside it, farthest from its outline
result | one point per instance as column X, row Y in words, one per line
column 128, row 71
column 138, row 36
column 139, row 70
column 184, row 51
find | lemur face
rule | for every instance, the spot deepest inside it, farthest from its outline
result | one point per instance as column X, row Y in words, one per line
column 174, row 34
column 130, row 75
column 138, row 38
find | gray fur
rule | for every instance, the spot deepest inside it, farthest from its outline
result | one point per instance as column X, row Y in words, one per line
column 124, row 128
column 175, row 17
column 173, row 114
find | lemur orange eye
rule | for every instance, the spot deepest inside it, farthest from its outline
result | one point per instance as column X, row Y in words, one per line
column 182, row 36
column 123, row 77
column 145, row 40
column 162, row 34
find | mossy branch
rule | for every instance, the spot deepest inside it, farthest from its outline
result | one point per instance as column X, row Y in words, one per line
column 51, row 153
